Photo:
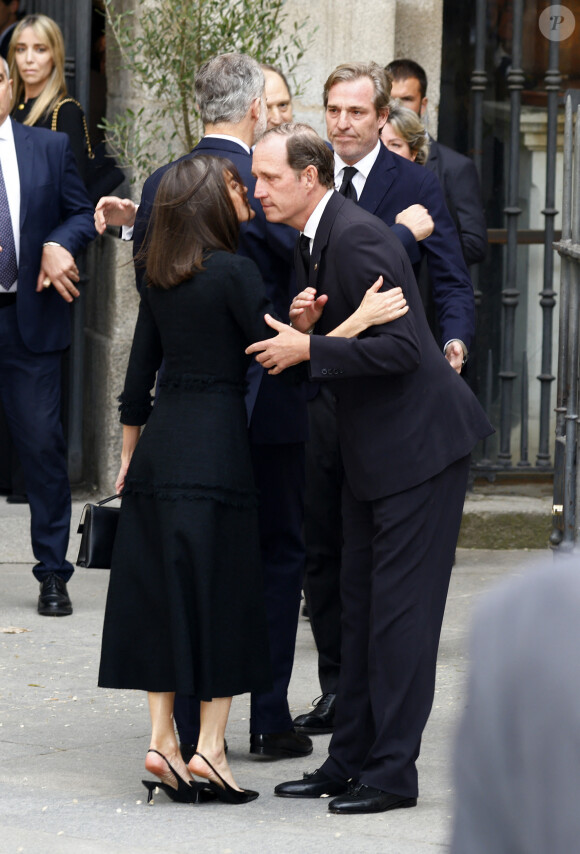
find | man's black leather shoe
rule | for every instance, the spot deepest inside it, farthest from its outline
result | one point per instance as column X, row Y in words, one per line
column 314, row 785
column 365, row 799
column 320, row 719
column 54, row 600
column 280, row 745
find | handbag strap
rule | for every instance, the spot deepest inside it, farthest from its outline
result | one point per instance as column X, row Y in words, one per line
column 90, row 152
column 110, row 498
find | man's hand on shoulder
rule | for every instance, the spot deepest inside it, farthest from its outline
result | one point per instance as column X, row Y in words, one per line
column 58, row 268
column 418, row 220
column 111, row 210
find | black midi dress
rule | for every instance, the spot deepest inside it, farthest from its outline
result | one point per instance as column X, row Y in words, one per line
column 185, row 609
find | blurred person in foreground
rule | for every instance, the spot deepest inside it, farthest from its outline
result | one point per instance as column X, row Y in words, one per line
column 517, row 755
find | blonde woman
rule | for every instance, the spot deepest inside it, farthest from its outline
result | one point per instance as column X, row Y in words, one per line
column 405, row 134
column 36, row 59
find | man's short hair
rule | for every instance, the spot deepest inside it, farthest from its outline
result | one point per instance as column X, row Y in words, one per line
column 402, row 69
column 265, row 66
column 380, row 79
column 225, row 87
column 304, row 147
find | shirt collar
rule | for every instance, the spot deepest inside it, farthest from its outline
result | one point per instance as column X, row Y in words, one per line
column 363, row 166
column 229, row 138
column 314, row 219
column 6, row 129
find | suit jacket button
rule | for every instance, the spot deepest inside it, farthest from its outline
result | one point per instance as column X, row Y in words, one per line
column 324, row 372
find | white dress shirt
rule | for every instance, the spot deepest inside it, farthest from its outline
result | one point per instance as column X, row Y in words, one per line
column 314, row 219
column 12, row 182
column 363, row 168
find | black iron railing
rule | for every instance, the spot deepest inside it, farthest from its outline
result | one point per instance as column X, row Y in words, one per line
column 565, row 516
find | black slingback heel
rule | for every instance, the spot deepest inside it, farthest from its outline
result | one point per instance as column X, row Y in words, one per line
column 186, row 793
column 226, row 793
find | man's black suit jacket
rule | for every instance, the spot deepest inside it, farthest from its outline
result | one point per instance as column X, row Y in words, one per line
column 276, row 409
column 404, row 415
column 392, row 185
column 460, row 183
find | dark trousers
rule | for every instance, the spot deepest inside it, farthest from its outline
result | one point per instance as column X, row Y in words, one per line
column 30, row 394
column 397, row 560
column 323, row 534
column 279, row 476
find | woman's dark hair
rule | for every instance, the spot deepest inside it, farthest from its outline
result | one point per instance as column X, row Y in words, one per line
column 192, row 214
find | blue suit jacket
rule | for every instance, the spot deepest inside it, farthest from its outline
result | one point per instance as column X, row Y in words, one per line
column 394, row 184
column 276, row 409
column 53, row 206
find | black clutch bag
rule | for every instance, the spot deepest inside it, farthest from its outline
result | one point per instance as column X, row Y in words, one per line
column 98, row 526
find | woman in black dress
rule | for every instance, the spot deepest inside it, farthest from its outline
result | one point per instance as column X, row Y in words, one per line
column 185, row 609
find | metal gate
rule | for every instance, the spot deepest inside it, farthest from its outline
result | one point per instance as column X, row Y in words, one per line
column 514, row 289
column 566, row 487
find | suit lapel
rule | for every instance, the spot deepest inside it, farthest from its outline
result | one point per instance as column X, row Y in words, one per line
column 25, row 156
column 433, row 163
column 379, row 181
column 331, row 210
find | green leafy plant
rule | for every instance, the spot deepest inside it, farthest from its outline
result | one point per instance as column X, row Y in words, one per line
column 162, row 46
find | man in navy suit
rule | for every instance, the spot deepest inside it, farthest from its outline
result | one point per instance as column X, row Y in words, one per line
column 356, row 99
column 230, row 94
column 405, row 472
column 45, row 219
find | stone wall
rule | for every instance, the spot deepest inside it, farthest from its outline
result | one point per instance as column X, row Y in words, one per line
column 383, row 30
column 110, row 314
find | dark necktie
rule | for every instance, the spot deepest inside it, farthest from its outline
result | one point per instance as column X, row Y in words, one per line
column 304, row 247
column 347, row 188
column 8, row 266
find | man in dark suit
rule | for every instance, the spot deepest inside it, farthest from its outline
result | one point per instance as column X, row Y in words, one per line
column 356, row 98
column 45, row 219
column 456, row 173
column 229, row 91
column 405, row 472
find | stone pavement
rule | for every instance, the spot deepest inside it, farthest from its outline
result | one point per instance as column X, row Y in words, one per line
column 72, row 754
